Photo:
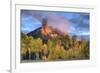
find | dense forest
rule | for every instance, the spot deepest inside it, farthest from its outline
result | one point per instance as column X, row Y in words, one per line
column 53, row 49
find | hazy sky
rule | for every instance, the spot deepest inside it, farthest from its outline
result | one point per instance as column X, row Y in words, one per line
column 75, row 23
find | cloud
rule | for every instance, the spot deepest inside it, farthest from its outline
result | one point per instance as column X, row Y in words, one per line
column 54, row 20
column 71, row 22
column 58, row 22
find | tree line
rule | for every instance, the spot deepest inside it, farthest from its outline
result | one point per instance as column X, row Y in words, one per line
column 58, row 48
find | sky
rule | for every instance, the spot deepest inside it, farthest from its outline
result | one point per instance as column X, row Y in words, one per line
column 75, row 23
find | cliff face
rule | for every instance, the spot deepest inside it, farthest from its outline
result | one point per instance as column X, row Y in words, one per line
column 45, row 30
